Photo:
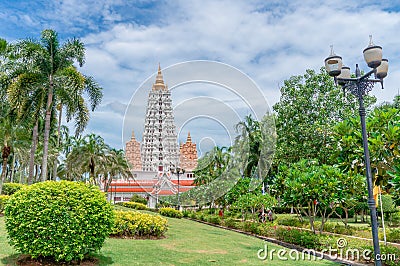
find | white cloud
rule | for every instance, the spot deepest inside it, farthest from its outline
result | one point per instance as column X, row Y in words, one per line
column 268, row 40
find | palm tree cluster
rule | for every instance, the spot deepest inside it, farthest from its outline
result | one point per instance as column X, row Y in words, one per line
column 39, row 83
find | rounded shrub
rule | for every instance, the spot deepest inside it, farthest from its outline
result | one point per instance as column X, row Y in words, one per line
column 141, row 225
column 134, row 205
column 139, row 199
column 60, row 220
column 170, row 212
column 11, row 188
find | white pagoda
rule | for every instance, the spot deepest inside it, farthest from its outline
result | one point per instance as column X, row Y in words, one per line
column 159, row 150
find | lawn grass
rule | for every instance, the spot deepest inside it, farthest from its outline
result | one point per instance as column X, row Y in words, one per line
column 186, row 243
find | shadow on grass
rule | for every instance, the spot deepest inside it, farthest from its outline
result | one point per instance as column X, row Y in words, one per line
column 20, row 259
column 10, row 260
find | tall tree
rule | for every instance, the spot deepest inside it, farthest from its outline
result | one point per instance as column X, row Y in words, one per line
column 51, row 63
column 383, row 126
column 309, row 107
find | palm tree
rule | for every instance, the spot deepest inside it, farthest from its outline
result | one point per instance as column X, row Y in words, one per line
column 55, row 81
column 117, row 166
column 11, row 135
column 88, row 157
column 70, row 96
column 212, row 165
column 250, row 129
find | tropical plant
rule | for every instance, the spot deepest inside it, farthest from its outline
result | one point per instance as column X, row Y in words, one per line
column 50, row 66
column 309, row 107
column 74, row 220
column 311, row 189
column 383, row 127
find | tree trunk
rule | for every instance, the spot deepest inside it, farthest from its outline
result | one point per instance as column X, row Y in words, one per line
column 33, row 150
column 12, row 168
column 36, row 172
column 47, row 130
column 58, row 141
column 5, row 153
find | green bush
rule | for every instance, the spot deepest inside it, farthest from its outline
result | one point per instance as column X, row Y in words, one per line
column 141, row 225
column 305, row 239
column 170, row 212
column 60, row 220
column 394, row 235
column 192, row 215
column 290, row 221
column 214, row 219
column 389, row 251
column 134, row 205
column 187, row 213
column 229, row 222
column 3, row 201
column 11, row 188
column 252, row 227
column 139, row 199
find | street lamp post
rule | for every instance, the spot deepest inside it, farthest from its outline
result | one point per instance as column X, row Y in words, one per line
column 359, row 87
column 178, row 171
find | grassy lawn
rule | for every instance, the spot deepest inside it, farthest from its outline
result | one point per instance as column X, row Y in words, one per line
column 187, row 242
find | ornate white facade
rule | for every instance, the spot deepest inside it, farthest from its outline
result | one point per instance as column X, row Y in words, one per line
column 159, row 150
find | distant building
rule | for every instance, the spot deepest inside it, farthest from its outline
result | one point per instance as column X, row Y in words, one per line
column 158, row 153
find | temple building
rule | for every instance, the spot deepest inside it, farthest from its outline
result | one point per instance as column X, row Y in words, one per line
column 154, row 159
column 132, row 153
column 188, row 154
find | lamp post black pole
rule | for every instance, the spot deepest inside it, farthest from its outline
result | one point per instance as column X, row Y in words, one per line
column 371, row 200
column 179, row 199
column 359, row 86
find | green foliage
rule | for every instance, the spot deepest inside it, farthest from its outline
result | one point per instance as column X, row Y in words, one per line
column 229, row 222
column 290, row 221
column 170, row 212
column 139, row 199
column 134, row 205
column 140, row 225
column 63, row 220
column 316, row 189
column 11, row 188
column 302, row 238
column 3, row 201
column 338, row 228
column 389, row 251
column 389, row 208
column 383, row 127
column 254, row 202
column 214, row 219
column 394, row 235
column 309, row 107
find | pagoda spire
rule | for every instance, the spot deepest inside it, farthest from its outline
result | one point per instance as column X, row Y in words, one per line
column 189, row 138
column 159, row 84
column 133, row 134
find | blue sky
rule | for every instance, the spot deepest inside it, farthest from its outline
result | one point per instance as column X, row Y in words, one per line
column 267, row 40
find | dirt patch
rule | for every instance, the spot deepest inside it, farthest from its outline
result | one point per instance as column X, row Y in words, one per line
column 26, row 260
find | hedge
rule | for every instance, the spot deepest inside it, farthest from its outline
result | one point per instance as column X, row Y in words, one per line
column 134, row 205
column 11, row 188
column 140, row 225
column 3, row 201
column 60, row 220
column 170, row 212
column 138, row 199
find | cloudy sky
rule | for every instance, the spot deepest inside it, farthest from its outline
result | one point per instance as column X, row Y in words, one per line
column 258, row 42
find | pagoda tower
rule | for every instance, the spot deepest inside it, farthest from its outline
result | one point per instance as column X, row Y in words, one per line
column 132, row 153
column 188, row 154
column 159, row 148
